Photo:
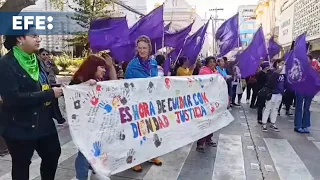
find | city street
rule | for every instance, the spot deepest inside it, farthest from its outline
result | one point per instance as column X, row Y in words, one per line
column 243, row 152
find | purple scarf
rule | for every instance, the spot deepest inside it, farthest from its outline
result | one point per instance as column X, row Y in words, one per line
column 145, row 64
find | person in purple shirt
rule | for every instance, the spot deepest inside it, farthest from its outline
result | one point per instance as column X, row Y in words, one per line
column 275, row 83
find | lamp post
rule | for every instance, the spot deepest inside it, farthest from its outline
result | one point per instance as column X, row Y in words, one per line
column 214, row 27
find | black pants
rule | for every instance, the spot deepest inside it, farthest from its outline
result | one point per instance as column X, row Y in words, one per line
column 287, row 100
column 21, row 151
column 254, row 88
column 261, row 101
column 234, row 94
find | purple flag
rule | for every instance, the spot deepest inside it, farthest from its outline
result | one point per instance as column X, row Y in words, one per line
column 249, row 60
column 175, row 39
column 273, row 48
column 193, row 44
column 150, row 25
column 300, row 75
column 167, row 27
column 228, row 35
column 103, row 33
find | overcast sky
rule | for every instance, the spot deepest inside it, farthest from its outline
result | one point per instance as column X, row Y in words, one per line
column 230, row 6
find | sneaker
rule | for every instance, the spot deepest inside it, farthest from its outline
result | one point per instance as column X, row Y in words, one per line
column 234, row 104
column 274, row 127
column 137, row 168
column 247, row 101
column 264, row 128
column 212, row 144
column 200, row 149
column 156, row 161
column 306, row 130
column 259, row 121
column 299, row 130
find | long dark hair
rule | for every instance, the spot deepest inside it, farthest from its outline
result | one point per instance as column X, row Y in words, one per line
column 181, row 60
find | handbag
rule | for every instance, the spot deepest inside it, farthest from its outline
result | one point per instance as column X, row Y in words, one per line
column 266, row 93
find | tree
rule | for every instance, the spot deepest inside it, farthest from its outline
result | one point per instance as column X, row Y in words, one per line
column 85, row 12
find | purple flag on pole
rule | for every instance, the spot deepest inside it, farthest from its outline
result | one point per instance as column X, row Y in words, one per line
column 150, row 25
column 167, row 27
column 228, row 35
column 300, row 75
column 193, row 44
column 174, row 39
column 103, row 33
column 250, row 58
column 273, row 48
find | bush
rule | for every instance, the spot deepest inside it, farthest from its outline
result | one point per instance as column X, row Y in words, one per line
column 77, row 62
column 63, row 61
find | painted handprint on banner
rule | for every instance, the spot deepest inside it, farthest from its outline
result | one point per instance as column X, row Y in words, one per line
column 107, row 107
column 104, row 158
column 93, row 97
column 97, row 148
column 76, row 100
column 121, row 135
column 150, row 87
column 143, row 140
column 130, row 155
column 167, row 82
column 99, row 88
column 200, row 82
column 190, row 82
column 156, row 140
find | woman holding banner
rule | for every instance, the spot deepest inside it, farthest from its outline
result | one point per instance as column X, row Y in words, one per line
column 209, row 68
column 91, row 70
column 27, row 109
column 143, row 66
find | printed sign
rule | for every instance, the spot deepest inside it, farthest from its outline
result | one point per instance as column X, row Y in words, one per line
column 119, row 124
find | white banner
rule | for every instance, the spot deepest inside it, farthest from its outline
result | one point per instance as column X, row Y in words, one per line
column 119, row 124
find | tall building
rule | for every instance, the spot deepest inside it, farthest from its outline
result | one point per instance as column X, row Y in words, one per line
column 297, row 17
column 181, row 14
column 138, row 5
column 247, row 23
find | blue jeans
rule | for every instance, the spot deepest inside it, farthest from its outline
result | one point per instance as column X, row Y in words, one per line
column 82, row 167
column 302, row 111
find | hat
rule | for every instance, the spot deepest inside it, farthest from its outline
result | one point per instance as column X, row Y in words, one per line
column 265, row 65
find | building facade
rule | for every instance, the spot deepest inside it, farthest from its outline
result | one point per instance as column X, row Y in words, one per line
column 297, row 17
column 247, row 23
column 181, row 14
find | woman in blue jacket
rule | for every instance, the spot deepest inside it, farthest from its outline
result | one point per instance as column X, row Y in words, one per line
column 143, row 66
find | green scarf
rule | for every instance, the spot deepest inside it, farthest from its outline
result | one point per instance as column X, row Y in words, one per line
column 28, row 62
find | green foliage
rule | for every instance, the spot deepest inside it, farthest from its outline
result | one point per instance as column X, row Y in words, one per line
column 66, row 62
column 85, row 12
column 63, row 61
column 77, row 62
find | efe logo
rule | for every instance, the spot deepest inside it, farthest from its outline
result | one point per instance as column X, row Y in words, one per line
column 23, row 22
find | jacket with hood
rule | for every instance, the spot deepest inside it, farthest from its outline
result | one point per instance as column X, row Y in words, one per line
column 135, row 69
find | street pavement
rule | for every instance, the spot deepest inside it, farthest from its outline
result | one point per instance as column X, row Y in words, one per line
column 244, row 152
